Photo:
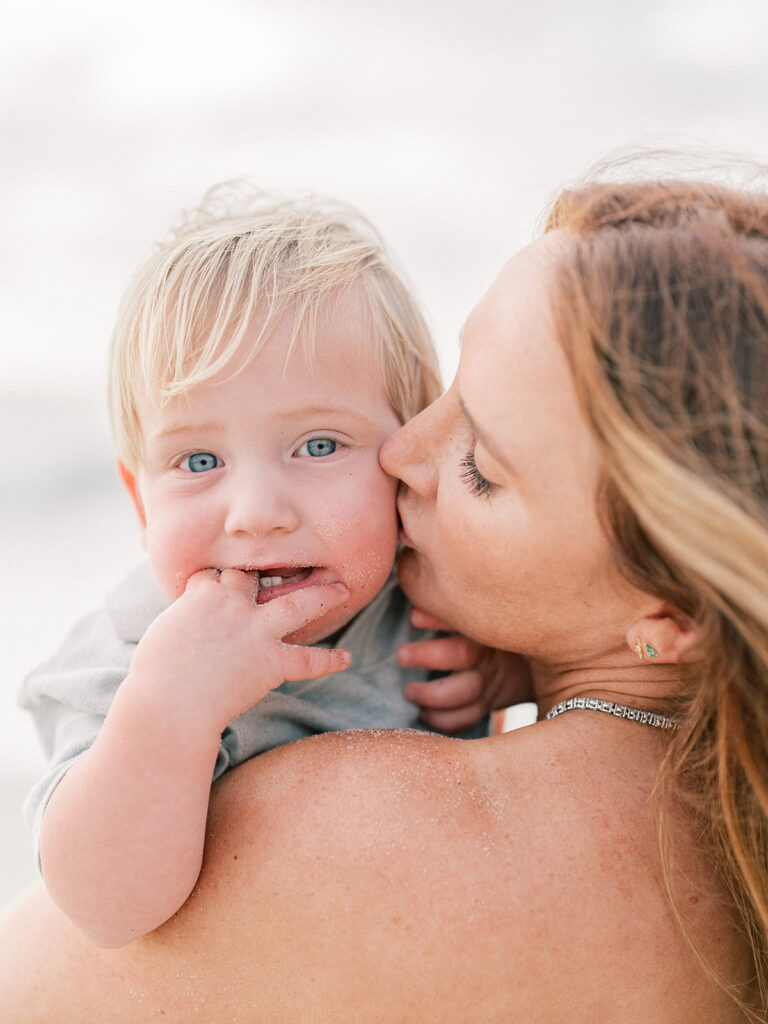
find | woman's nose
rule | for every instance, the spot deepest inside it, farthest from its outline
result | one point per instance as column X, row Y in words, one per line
column 409, row 453
column 260, row 506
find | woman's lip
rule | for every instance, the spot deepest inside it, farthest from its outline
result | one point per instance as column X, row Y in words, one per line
column 403, row 536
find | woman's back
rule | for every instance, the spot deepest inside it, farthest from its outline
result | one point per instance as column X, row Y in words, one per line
column 515, row 878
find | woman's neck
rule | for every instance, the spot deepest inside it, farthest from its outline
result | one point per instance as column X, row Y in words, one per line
column 649, row 686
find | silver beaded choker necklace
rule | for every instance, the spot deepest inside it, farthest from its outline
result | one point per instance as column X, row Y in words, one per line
column 611, row 708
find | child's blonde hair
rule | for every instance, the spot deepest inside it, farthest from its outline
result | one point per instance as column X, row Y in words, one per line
column 209, row 298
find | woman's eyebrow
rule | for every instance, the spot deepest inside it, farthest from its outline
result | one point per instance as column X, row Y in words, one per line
column 485, row 440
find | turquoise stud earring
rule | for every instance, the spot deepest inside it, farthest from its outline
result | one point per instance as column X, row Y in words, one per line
column 644, row 650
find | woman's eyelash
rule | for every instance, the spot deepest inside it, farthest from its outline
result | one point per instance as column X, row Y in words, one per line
column 472, row 475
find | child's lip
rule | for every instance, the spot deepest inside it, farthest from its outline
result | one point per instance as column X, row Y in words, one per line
column 277, row 580
column 292, row 577
column 282, row 570
column 267, row 572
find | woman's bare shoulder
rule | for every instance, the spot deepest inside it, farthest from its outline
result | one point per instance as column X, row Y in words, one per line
column 397, row 876
column 362, row 794
column 536, row 776
column 376, row 793
column 559, row 802
column 547, row 836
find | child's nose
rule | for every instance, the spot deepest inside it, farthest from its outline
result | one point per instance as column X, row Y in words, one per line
column 260, row 507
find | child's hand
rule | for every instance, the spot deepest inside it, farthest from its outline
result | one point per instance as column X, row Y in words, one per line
column 481, row 679
column 219, row 652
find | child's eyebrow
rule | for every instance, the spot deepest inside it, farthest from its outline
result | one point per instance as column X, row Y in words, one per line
column 178, row 430
column 183, row 428
column 322, row 410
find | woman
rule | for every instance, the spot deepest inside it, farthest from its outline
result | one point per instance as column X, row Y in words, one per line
column 591, row 492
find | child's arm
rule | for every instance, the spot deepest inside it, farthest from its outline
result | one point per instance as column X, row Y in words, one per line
column 481, row 679
column 123, row 833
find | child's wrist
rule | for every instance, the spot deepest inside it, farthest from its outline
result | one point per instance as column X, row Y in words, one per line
column 163, row 708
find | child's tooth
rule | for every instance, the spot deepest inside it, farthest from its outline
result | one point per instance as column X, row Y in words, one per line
column 271, row 581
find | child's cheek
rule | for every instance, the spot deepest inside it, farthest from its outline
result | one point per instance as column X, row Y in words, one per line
column 176, row 550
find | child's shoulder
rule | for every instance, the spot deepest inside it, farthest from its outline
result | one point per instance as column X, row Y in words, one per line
column 97, row 648
column 135, row 602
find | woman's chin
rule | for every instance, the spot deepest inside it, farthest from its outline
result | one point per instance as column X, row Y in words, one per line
column 406, row 561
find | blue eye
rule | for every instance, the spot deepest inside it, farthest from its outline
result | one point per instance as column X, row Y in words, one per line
column 318, row 447
column 200, row 462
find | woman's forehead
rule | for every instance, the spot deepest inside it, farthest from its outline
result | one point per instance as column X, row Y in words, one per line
column 514, row 379
column 512, row 324
column 523, row 285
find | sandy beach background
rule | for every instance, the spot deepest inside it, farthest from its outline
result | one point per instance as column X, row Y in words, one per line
column 450, row 123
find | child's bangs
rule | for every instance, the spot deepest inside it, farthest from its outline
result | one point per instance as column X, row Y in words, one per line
column 210, row 313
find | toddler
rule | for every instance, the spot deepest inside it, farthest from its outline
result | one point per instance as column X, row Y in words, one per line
column 261, row 358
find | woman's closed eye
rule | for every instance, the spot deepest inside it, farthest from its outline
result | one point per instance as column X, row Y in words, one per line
column 200, row 462
column 318, row 447
column 472, row 476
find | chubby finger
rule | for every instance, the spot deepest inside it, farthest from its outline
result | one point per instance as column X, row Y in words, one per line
column 455, row 720
column 449, row 693
column 292, row 611
column 312, row 662
column 239, row 580
column 231, row 580
column 441, row 653
column 202, row 578
column 423, row 620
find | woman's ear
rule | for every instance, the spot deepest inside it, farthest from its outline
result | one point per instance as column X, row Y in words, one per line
column 666, row 638
column 132, row 486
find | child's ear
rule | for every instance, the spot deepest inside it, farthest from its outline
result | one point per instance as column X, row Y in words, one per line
column 666, row 638
column 132, row 486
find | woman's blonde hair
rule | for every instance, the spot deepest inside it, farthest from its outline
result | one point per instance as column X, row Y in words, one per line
column 210, row 296
column 661, row 304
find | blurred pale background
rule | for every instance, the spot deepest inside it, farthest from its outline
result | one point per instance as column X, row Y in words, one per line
column 449, row 122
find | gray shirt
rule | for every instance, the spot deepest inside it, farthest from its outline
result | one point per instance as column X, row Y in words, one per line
column 70, row 695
